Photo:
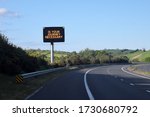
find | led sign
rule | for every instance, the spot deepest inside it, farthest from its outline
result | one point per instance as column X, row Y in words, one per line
column 53, row 34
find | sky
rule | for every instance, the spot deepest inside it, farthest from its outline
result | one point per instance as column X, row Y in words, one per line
column 93, row 24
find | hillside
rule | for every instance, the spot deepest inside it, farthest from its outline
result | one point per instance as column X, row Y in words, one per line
column 139, row 56
column 86, row 56
column 14, row 60
column 45, row 54
column 133, row 55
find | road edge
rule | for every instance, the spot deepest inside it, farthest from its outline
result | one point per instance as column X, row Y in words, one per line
column 134, row 74
column 90, row 95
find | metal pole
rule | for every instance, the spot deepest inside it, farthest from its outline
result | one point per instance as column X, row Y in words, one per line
column 52, row 52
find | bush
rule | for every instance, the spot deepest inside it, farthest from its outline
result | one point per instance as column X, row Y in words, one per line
column 14, row 60
column 8, row 67
column 121, row 59
column 62, row 61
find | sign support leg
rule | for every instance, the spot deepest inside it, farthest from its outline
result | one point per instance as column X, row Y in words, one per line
column 52, row 52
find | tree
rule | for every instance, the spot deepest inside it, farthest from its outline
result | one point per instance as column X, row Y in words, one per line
column 14, row 60
column 62, row 61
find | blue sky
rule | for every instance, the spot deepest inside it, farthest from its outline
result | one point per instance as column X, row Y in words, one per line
column 94, row 24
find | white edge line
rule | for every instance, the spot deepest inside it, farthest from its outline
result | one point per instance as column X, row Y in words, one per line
column 144, row 84
column 90, row 95
column 134, row 73
column 33, row 93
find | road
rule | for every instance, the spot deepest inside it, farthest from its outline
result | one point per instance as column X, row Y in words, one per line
column 110, row 82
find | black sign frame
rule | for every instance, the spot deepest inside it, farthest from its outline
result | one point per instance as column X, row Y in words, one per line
column 58, row 36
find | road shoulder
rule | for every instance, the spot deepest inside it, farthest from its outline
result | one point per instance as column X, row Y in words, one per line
column 133, row 70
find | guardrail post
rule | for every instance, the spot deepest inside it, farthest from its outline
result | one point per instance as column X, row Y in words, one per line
column 19, row 79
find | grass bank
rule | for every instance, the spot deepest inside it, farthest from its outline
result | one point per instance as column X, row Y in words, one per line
column 135, row 69
column 9, row 90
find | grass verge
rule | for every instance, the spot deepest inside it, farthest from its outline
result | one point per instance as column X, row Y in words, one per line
column 9, row 90
column 134, row 69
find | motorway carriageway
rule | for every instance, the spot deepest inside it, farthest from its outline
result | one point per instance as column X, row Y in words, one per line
column 110, row 82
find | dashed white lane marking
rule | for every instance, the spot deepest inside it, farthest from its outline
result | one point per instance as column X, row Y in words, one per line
column 132, row 84
column 90, row 95
column 123, row 69
column 148, row 91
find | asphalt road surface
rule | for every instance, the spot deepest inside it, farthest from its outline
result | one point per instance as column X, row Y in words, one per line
column 110, row 82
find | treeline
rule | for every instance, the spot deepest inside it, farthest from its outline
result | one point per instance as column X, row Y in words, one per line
column 14, row 60
column 122, row 52
column 88, row 56
column 45, row 54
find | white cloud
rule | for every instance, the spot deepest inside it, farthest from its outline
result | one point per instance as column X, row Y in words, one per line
column 3, row 11
column 6, row 12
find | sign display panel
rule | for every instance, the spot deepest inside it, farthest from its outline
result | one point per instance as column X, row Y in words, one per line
column 53, row 34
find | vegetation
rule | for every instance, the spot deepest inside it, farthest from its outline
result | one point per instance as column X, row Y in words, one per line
column 135, row 69
column 147, row 59
column 45, row 54
column 14, row 60
column 10, row 91
column 86, row 56
column 139, row 56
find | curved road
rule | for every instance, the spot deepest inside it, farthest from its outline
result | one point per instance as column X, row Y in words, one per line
column 110, row 82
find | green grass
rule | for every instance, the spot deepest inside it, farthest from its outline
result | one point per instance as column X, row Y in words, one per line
column 132, row 55
column 134, row 69
column 45, row 54
column 144, row 56
column 9, row 90
column 140, row 55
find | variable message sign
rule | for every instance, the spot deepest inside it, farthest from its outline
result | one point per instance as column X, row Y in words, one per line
column 53, row 34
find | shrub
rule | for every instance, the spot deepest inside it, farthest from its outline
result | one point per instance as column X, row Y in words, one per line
column 121, row 59
column 14, row 60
